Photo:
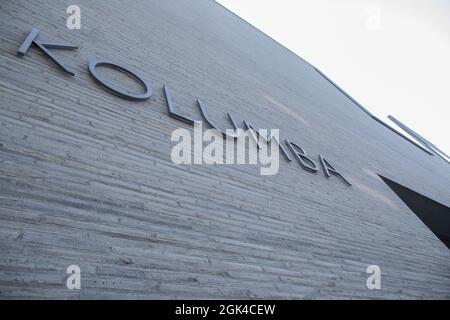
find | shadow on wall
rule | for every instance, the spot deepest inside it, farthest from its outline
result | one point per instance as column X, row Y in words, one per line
column 435, row 215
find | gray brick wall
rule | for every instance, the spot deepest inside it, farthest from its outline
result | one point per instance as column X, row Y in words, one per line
column 86, row 177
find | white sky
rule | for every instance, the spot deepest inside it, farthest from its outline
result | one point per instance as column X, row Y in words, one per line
column 392, row 56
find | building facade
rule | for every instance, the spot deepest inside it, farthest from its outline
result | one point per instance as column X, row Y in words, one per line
column 86, row 176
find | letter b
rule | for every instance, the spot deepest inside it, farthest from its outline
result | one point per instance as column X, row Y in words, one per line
column 301, row 157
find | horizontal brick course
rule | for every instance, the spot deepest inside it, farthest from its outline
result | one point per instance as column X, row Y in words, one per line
column 86, row 177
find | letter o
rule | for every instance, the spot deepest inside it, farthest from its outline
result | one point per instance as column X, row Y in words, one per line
column 93, row 64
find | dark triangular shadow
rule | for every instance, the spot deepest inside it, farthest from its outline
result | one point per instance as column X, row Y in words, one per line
column 434, row 214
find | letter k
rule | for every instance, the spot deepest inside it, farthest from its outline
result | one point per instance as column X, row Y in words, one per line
column 44, row 45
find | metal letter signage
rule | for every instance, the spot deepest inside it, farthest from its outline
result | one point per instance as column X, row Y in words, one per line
column 301, row 157
column 44, row 45
column 171, row 110
column 224, row 134
column 148, row 88
column 268, row 139
column 305, row 162
column 329, row 169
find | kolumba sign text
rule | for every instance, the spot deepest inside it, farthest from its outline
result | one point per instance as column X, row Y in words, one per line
column 305, row 161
